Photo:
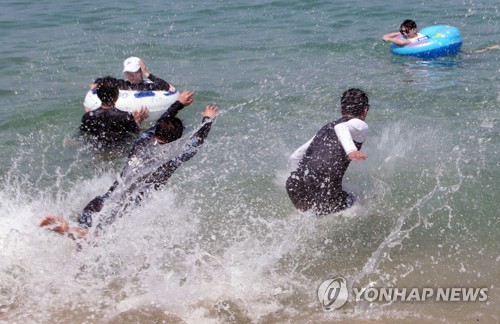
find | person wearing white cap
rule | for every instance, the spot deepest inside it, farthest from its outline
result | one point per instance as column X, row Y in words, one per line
column 139, row 78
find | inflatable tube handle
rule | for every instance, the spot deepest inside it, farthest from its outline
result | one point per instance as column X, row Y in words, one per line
column 169, row 93
column 142, row 94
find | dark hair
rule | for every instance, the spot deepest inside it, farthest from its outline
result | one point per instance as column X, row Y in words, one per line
column 107, row 89
column 408, row 24
column 354, row 102
column 169, row 129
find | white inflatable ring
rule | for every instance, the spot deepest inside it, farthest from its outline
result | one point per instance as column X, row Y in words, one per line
column 131, row 100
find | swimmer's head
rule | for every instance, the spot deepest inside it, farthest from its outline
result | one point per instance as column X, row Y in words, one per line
column 132, row 64
column 107, row 90
column 354, row 102
column 132, row 70
column 168, row 129
column 408, row 29
column 408, row 24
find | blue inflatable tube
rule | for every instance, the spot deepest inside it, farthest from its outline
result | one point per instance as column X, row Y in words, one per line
column 441, row 40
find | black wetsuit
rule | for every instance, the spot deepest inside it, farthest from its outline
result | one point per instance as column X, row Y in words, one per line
column 108, row 127
column 155, row 85
column 317, row 182
column 147, row 135
column 156, row 178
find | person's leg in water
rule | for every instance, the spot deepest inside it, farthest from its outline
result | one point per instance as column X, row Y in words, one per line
column 298, row 193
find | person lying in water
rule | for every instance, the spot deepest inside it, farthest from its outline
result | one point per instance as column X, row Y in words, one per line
column 167, row 130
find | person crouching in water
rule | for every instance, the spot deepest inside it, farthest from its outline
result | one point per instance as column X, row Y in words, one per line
column 317, row 182
column 107, row 127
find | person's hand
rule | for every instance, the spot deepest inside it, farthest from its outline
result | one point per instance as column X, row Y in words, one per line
column 92, row 86
column 141, row 114
column 144, row 69
column 357, row 155
column 186, row 98
column 57, row 223
column 210, row 111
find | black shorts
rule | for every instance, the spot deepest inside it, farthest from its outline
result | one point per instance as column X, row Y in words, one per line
column 322, row 200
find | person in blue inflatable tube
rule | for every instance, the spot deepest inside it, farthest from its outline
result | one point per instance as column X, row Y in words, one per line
column 408, row 30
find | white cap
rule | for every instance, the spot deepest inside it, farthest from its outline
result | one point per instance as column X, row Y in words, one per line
column 131, row 64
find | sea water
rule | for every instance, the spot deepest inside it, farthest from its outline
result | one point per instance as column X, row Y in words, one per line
column 222, row 242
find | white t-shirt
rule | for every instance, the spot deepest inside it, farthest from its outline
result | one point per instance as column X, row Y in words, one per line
column 418, row 38
column 353, row 130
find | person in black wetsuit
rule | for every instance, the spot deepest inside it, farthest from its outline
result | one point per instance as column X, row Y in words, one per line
column 168, row 129
column 317, row 182
column 107, row 127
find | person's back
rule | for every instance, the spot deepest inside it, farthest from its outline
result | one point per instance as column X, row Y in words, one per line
column 107, row 126
column 325, row 157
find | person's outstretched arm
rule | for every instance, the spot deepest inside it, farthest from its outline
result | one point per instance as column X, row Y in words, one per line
column 165, row 171
column 394, row 38
column 185, row 99
column 387, row 37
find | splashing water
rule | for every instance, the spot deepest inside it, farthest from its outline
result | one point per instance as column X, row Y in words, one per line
column 222, row 242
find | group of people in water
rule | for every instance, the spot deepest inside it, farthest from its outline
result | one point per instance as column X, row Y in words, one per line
column 107, row 126
column 315, row 185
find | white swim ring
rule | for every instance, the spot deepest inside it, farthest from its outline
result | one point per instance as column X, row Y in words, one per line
column 131, row 100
